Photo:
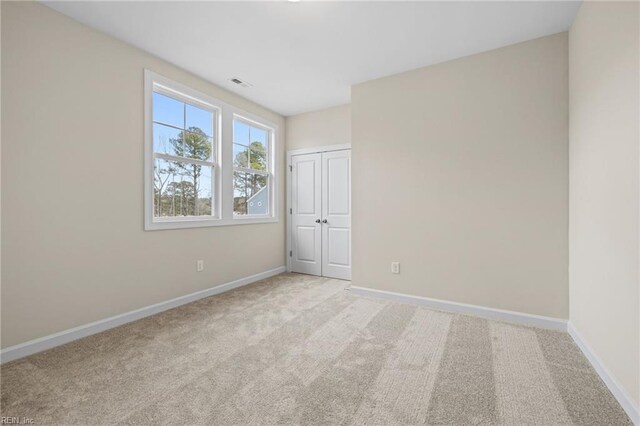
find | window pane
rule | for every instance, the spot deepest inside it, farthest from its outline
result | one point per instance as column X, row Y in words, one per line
column 240, row 156
column 250, row 194
column 166, row 140
column 258, row 156
column 259, row 203
column 196, row 145
column 240, row 133
column 239, row 194
column 259, row 136
column 181, row 189
column 168, row 110
column 199, row 119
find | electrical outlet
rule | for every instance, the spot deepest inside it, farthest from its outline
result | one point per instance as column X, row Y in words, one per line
column 200, row 266
column 395, row 267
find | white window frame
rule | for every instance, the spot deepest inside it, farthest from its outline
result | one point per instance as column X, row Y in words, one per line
column 222, row 207
column 270, row 160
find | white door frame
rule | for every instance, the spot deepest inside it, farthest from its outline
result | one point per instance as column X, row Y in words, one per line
column 290, row 154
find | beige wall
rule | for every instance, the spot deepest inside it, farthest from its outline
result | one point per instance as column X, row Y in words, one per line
column 460, row 173
column 73, row 245
column 331, row 126
column 604, row 188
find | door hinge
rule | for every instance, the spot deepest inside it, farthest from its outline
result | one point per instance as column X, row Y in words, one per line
column 290, row 168
column 290, row 211
column 290, row 253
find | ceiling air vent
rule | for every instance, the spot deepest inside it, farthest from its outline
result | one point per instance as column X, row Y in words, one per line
column 240, row 82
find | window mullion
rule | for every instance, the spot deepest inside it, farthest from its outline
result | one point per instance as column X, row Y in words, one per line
column 167, row 125
column 226, row 164
column 175, row 158
column 252, row 171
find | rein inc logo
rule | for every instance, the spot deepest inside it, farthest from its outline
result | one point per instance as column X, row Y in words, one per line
column 6, row 420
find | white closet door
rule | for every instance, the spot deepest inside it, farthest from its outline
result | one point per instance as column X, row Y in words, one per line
column 336, row 214
column 306, row 206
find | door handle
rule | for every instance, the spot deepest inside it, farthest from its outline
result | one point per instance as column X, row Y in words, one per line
column 317, row 220
column 324, row 221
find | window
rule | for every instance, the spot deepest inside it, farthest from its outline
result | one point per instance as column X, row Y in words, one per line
column 250, row 168
column 196, row 174
column 184, row 157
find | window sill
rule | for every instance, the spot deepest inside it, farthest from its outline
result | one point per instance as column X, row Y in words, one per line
column 205, row 223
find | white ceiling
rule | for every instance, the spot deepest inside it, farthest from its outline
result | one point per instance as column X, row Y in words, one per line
column 305, row 56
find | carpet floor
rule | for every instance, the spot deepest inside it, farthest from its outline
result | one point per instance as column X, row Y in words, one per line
column 297, row 349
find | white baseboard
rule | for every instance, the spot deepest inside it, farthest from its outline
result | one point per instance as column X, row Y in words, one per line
column 47, row 342
column 462, row 308
column 618, row 391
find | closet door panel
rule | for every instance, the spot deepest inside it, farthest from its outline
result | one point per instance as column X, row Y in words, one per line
column 306, row 211
column 336, row 214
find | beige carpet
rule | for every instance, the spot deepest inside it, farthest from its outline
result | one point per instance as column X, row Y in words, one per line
column 297, row 349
